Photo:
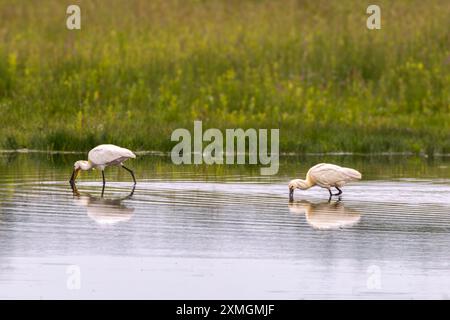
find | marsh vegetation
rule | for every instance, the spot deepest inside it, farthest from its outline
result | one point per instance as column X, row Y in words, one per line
column 137, row 70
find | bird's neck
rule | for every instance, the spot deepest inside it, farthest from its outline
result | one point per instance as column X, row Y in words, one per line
column 308, row 183
column 303, row 184
column 86, row 165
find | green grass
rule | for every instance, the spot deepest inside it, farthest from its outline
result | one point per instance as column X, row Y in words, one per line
column 137, row 70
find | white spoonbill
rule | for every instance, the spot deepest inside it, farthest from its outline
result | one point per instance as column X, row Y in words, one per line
column 325, row 175
column 103, row 156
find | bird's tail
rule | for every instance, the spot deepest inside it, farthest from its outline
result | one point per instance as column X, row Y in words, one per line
column 130, row 154
column 353, row 174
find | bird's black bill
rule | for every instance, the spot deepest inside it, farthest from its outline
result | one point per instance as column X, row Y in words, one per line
column 291, row 194
column 74, row 188
column 73, row 176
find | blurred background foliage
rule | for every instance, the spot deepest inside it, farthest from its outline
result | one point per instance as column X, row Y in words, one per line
column 139, row 69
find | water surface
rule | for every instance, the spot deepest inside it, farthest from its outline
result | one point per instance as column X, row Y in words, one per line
column 207, row 232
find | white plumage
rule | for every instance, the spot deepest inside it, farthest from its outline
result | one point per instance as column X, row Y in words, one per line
column 109, row 155
column 328, row 175
column 325, row 175
column 101, row 157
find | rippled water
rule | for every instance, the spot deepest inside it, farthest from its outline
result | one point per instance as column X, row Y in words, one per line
column 223, row 232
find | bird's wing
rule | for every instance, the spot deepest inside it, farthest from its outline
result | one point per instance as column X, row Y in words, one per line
column 107, row 153
column 329, row 174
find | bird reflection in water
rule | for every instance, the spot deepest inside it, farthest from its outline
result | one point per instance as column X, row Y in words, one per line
column 326, row 215
column 105, row 211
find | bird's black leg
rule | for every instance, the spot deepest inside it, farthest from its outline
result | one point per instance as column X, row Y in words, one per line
column 339, row 193
column 132, row 192
column 131, row 172
column 329, row 199
column 103, row 190
column 103, row 176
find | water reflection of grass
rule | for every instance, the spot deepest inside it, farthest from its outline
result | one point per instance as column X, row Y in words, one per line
column 47, row 167
column 137, row 70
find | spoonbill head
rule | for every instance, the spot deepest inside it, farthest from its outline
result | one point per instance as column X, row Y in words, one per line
column 325, row 175
column 79, row 165
column 103, row 156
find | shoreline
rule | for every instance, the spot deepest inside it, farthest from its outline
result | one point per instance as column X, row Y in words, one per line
column 284, row 154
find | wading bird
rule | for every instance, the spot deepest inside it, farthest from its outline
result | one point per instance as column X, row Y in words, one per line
column 103, row 156
column 324, row 175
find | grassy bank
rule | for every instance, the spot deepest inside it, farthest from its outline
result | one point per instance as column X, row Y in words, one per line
column 139, row 69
